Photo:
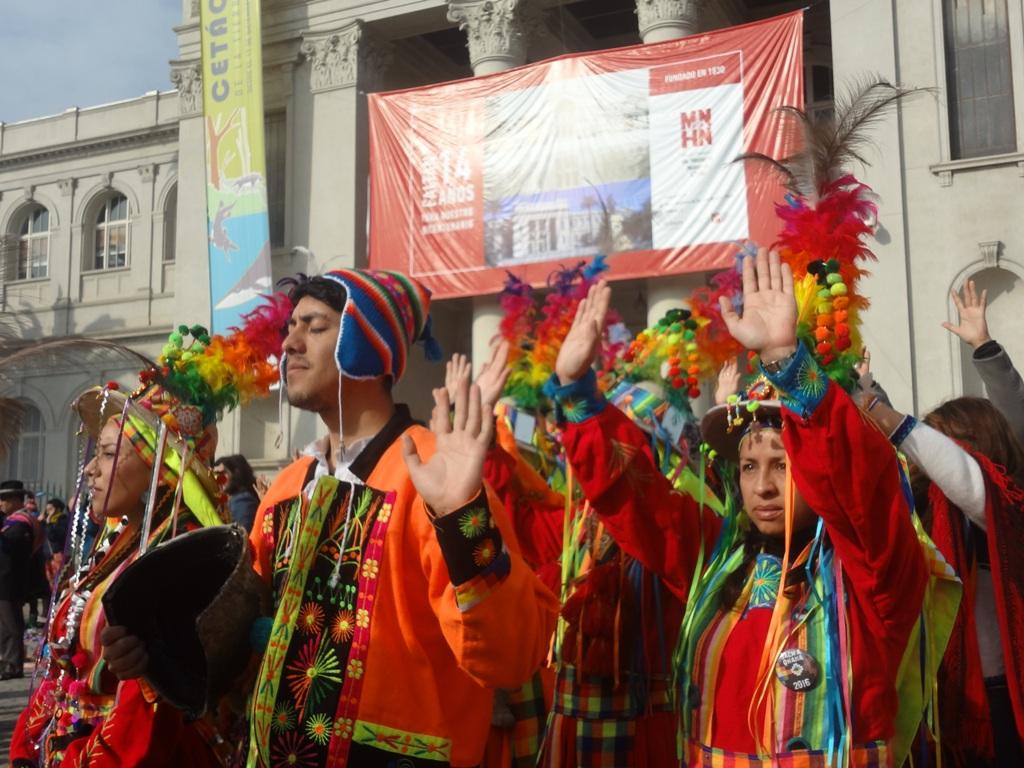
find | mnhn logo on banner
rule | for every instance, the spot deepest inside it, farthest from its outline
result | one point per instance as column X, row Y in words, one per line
column 236, row 189
column 628, row 153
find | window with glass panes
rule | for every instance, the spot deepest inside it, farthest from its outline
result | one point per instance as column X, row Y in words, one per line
column 111, row 244
column 978, row 78
column 170, row 224
column 34, row 245
column 25, row 459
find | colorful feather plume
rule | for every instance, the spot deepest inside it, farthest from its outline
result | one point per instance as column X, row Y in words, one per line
column 535, row 335
column 218, row 373
column 826, row 218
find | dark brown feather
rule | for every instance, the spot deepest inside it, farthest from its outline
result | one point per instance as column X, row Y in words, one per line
column 832, row 142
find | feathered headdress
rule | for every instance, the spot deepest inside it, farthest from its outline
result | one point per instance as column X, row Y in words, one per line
column 827, row 215
column 212, row 374
column 535, row 335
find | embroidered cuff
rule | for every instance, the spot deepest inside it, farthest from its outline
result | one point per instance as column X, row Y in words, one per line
column 470, row 541
column 802, row 384
column 902, row 432
column 578, row 401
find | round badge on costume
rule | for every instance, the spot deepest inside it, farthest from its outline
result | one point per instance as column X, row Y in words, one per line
column 797, row 670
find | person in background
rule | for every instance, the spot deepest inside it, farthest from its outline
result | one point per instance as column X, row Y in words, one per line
column 969, row 491
column 55, row 526
column 238, row 481
column 18, row 536
column 1002, row 381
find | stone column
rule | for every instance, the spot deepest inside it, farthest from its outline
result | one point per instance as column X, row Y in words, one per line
column 192, row 265
column 497, row 33
column 661, row 20
column 343, row 65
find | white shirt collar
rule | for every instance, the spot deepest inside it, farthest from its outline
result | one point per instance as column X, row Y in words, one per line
column 342, row 465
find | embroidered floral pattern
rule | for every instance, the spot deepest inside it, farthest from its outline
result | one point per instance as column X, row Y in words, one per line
column 313, row 673
column 311, row 619
column 484, row 553
column 402, row 742
column 318, row 728
column 474, row 522
column 292, row 750
column 327, row 558
column 765, row 581
column 342, row 627
column 575, row 410
column 284, row 717
column 355, row 669
column 343, row 728
column 370, row 569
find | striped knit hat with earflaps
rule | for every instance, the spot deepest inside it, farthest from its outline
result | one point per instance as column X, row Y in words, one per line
column 385, row 313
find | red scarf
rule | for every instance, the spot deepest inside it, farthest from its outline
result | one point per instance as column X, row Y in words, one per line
column 963, row 704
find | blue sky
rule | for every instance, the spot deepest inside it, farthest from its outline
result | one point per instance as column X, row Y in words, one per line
column 56, row 54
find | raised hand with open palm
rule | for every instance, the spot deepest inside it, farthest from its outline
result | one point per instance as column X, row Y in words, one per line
column 768, row 323
column 454, row 474
column 583, row 342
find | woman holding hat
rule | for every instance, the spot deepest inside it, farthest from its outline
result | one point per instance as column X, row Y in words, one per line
column 81, row 714
column 800, row 608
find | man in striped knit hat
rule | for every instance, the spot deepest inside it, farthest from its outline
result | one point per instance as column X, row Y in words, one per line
column 399, row 600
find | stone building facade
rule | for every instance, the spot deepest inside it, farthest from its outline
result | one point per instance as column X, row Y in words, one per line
column 103, row 223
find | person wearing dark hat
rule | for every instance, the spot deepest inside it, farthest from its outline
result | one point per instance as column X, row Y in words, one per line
column 17, row 537
column 802, row 606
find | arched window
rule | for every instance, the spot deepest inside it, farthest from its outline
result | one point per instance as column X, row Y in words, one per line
column 25, row 461
column 34, row 244
column 33, row 259
column 110, row 249
column 170, row 224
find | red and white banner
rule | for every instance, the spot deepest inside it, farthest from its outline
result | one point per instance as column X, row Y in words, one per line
column 627, row 152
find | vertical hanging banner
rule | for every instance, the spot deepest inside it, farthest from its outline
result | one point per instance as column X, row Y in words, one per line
column 236, row 188
column 627, row 152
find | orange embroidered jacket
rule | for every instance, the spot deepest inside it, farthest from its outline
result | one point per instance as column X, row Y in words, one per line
column 450, row 620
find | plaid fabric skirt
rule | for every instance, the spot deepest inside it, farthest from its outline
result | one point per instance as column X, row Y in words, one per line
column 596, row 724
column 873, row 755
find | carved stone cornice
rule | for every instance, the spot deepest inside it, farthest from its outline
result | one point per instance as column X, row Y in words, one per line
column 187, row 77
column 143, row 138
column 345, row 58
column 667, row 19
column 495, row 32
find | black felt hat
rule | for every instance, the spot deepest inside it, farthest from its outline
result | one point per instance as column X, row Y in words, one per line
column 192, row 601
column 10, row 488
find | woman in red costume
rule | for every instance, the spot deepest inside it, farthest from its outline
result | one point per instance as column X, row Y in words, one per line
column 800, row 609
column 81, row 715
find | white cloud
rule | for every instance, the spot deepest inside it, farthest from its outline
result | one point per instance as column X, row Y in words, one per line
column 56, row 54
